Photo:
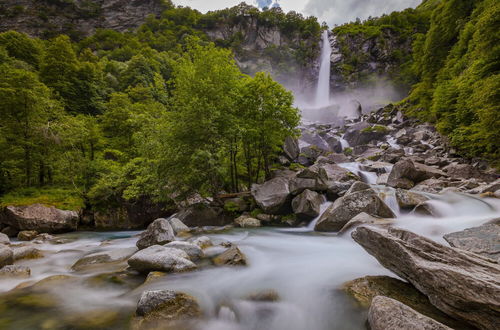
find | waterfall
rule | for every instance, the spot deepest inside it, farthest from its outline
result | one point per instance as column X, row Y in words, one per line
column 323, row 89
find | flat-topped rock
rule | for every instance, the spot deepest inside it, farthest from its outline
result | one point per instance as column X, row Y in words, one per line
column 483, row 240
column 389, row 314
column 40, row 218
column 160, row 258
column 464, row 285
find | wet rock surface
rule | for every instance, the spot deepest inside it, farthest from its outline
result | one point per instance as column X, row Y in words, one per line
column 389, row 314
column 163, row 309
column 40, row 218
column 459, row 283
column 483, row 240
column 350, row 205
column 158, row 233
column 273, row 196
column 160, row 258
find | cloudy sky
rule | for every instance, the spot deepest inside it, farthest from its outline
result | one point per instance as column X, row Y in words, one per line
column 331, row 11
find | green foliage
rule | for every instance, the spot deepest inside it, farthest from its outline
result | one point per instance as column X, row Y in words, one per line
column 61, row 198
column 457, row 62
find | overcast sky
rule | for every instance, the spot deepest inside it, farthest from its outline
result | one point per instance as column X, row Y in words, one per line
column 330, row 11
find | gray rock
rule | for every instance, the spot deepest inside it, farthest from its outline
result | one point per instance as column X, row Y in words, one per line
column 6, row 256
column 27, row 235
column 365, row 289
column 364, row 219
column 178, row 226
column 483, row 240
column 4, row 239
column 192, row 250
column 409, row 199
column 464, row 285
column 161, row 309
column 298, row 185
column 158, row 233
column 291, row 148
column 350, row 205
column 101, row 258
column 15, row 271
column 246, row 221
column 202, row 214
column 27, row 252
column 389, row 314
column 307, row 205
column 161, row 258
column 363, row 133
column 431, row 185
column 405, row 174
column 466, row 171
column 40, row 218
column 202, row 241
column 231, row 257
column 273, row 196
column 358, row 186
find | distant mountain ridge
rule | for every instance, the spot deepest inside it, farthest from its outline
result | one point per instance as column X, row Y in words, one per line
column 76, row 18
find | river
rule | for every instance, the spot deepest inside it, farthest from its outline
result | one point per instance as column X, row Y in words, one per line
column 305, row 269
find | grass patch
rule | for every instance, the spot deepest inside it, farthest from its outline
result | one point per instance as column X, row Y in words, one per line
column 61, row 198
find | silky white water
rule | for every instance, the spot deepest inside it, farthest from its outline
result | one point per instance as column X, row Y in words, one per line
column 306, row 269
column 323, row 89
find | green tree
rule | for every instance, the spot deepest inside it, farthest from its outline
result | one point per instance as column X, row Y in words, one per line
column 267, row 117
column 28, row 114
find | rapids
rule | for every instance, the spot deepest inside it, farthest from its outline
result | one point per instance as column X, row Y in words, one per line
column 306, row 269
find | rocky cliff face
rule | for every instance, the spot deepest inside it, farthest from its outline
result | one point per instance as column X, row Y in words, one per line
column 261, row 47
column 358, row 58
column 77, row 18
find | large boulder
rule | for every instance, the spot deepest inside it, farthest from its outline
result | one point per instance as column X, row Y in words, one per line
column 40, row 218
column 409, row 199
column 162, row 309
column 201, row 214
column 291, row 148
column 307, row 205
column 349, row 206
column 365, row 289
column 462, row 284
column 406, row 173
column 6, row 256
column 98, row 259
column 177, row 225
column 483, row 240
column 365, row 219
column 231, row 257
column 158, row 233
column 389, row 314
column 363, row 133
column 192, row 250
column 273, row 196
column 161, row 258
column 466, row 171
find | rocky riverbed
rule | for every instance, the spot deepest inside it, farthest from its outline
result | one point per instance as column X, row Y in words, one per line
column 373, row 219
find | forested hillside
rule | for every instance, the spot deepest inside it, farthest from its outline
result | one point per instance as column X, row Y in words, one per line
column 122, row 116
column 447, row 53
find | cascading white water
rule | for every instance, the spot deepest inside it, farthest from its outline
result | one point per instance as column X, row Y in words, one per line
column 323, row 89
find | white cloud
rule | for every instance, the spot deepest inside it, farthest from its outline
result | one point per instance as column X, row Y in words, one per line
column 330, row 11
column 342, row 11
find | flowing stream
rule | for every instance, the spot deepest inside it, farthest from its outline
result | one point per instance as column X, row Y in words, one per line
column 305, row 269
